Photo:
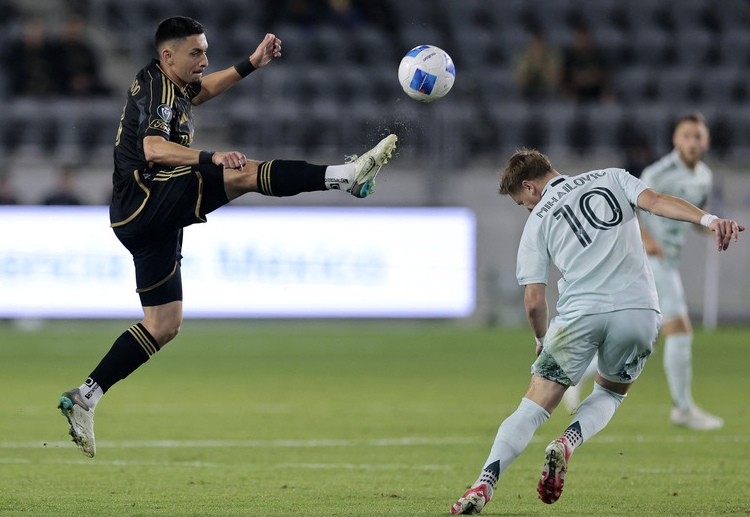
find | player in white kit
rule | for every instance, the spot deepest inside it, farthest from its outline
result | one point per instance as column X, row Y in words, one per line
column 680, row 173
column 586, row 226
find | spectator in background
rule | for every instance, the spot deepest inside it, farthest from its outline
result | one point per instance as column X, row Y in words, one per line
column 80, row 71
column 64, row 192
column 538, row 69
column 32, row 60
column 7, row 193
column 585, row 71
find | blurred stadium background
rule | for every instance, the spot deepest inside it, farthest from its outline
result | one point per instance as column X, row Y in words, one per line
column 335, row 91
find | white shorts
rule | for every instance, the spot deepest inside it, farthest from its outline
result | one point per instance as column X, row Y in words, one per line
column 669, row 287
column 623, row 339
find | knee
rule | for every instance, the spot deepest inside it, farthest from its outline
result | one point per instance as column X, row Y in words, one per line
column 163, row 331
column 170, row 333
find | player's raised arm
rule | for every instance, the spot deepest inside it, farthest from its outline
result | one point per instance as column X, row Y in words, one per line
column 676, row 208
column 218, row 82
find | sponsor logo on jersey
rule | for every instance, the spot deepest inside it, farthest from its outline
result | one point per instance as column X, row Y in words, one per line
column 160, row 125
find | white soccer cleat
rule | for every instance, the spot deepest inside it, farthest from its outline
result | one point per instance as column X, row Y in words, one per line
column 472, row 502
column 367, row 166
column 696, row 419
column 81, row 420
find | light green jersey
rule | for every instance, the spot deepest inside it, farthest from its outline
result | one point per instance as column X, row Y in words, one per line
column 586, row 226
column 670, row 176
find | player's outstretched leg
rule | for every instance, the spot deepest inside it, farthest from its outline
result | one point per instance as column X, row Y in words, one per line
column 367, row 166
column 472, row 502
column 556, row 457
column 81, row 419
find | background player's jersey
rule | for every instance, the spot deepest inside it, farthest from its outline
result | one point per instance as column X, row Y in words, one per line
column 670, row 176
column 586, row 226
column 155, row 106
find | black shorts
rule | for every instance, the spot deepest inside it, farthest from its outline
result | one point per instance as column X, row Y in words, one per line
column 178, row 197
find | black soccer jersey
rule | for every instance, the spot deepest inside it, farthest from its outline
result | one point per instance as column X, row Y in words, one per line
column 155, row 106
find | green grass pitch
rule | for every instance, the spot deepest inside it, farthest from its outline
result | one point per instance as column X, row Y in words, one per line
column 337, row 419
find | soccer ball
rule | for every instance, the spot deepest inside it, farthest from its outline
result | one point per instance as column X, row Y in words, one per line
column 426, row 73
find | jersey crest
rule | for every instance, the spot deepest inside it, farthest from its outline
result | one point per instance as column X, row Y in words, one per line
column 164, row 112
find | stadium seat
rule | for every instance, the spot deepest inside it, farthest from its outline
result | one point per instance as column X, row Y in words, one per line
column 693, row 47
column 634, row 84
column 679, row 85
column 650, row 46
column 724, row 86
column 735, row 46
column 478, row 49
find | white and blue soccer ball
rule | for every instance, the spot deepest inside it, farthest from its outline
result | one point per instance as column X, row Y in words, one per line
column 426, row 73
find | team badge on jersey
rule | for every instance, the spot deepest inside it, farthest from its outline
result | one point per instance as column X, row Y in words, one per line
column 164, row 112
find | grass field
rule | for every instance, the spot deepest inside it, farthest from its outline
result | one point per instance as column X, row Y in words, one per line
column 316, row 419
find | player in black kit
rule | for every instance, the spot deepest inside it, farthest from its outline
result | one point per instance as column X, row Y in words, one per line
column 162, row 185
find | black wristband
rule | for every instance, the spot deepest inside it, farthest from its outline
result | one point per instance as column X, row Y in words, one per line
column 206, row 157
column 244, row 67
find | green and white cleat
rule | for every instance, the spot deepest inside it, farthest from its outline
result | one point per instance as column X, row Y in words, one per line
column 367, row 166
column 81, row 420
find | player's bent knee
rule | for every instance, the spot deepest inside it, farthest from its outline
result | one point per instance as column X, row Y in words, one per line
column 164, row 331
column 238, row 182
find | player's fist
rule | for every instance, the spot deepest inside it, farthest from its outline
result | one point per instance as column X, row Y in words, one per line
column 267, row 50
column 230, row 160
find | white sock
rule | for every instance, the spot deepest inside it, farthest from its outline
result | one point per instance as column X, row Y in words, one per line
column 592, row 415
column 678, row 366
column 339, row 177
column 91, row 392
column 514, row 434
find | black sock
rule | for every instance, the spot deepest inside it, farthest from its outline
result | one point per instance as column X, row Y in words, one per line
column 290, row 177
column 133, row 348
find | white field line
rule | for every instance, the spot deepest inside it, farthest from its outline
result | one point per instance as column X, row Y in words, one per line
column 384, row 442
column 207, row 464
column 265, row 444
column 389, row 442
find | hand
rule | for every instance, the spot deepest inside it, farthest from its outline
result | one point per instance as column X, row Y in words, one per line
column 269, row 49
column 725, row 229
column 230, row 160
column 653, row 248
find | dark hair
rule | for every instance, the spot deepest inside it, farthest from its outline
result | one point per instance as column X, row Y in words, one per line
column 693, row 116
column 525, row 164
column 176, row 27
